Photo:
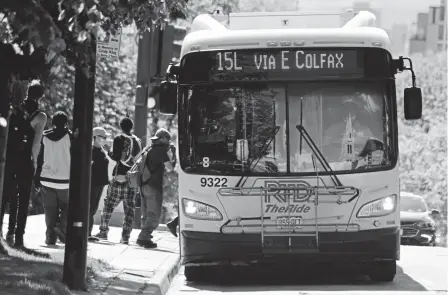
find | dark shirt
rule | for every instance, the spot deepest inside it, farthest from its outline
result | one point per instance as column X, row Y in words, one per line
column 117, row 149
column 157, row 156
column 21, row 136
column 100, row 167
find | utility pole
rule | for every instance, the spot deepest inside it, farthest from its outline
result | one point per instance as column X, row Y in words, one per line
column 170, row 43
column 141, row 100
column 147, row 64
column 145, row 69
column 75, row 260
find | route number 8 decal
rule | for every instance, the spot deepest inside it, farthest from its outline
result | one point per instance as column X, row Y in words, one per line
column 205, row 162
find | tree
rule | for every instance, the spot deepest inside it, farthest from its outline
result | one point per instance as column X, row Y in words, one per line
column 62, row 27
column 43, row 31
column 114, row 85
column 203, row 6
column 206, row 6
column 268, row 5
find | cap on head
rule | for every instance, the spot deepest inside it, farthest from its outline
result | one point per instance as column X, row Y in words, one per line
column 161, row 133
column 100, row 131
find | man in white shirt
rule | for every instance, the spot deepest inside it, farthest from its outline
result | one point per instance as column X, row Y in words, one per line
column 53, row 174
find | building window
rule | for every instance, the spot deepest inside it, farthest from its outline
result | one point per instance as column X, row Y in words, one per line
column 441, row 32
column 434, row 10
column 442, row 13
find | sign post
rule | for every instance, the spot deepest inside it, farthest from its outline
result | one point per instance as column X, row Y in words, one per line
column 109, row 47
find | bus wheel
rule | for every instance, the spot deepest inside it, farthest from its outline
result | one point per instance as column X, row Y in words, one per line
column 384, row 271
column 194, row 273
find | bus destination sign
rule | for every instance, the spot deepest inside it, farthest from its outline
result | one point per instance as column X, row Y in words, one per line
column 285, row 64
column 278, row 64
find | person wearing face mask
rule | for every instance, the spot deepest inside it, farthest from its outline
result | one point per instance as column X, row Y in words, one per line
column 157, row 161
column 26, row 125
column 100, row 174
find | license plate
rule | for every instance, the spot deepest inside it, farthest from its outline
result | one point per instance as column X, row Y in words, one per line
column 289, row 222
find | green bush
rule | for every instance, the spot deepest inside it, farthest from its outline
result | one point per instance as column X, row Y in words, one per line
column 423, row 143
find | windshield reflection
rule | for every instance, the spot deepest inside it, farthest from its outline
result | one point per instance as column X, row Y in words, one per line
column 230, row 129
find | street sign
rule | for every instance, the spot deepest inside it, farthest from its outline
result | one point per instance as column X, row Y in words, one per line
column 109, row 47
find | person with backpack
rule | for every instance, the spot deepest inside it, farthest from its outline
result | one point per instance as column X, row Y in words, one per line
column 26, row 125
column 156, row 161
column 53, row 176
column 126, row 148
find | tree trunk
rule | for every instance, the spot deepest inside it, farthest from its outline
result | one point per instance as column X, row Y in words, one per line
column 5, row 75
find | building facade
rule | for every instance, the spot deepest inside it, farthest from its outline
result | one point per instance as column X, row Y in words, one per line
column 430, row 31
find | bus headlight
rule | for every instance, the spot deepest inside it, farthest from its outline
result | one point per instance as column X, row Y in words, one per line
column 198, row 210
column 380, row 207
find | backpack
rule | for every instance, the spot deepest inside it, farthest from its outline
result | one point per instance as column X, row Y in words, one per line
column 139, row 174
column 21, row 133
column 130, row 151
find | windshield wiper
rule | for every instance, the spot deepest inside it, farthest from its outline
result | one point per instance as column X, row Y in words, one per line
column 263, row 150
column 318, row 154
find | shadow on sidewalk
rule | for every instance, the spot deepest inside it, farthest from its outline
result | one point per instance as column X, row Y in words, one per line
column 33, row 252
column 27, row 271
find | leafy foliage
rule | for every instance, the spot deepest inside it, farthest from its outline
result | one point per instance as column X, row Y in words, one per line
column 268, row 5
column 197, row 7
column 423, row 143
column 64, row 27
column 114, row 85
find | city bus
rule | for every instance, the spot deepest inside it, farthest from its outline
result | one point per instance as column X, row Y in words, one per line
column 288, row 141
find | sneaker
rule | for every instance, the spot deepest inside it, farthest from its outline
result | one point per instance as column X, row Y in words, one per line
column 124, row 240
column 60, row 234
column 146, row 244
column 92, row 239
column 172, row 229
column 101, row 235
column 50, row 241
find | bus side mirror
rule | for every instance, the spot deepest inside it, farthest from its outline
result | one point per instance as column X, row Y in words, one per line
column 168, row 97
column 435, row 212
column 412, row 103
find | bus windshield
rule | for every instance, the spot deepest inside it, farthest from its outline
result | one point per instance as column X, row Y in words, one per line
column 229, row 127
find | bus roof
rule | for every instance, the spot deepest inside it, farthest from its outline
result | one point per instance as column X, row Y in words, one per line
column 211, row 33
column 293, row 38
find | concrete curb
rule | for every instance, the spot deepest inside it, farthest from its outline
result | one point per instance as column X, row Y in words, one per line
column 160, row 282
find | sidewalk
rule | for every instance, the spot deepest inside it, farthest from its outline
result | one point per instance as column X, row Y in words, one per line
column 134, row 270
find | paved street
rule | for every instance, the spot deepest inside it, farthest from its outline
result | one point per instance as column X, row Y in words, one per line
column 420, row 271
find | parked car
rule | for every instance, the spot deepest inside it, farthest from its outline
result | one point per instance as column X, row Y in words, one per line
column 417, row 222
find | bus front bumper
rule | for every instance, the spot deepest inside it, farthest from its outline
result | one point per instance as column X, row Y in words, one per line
column 358, row 247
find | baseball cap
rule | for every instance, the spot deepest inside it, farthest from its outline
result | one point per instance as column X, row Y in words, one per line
column 161, row 133
column 100, row 131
